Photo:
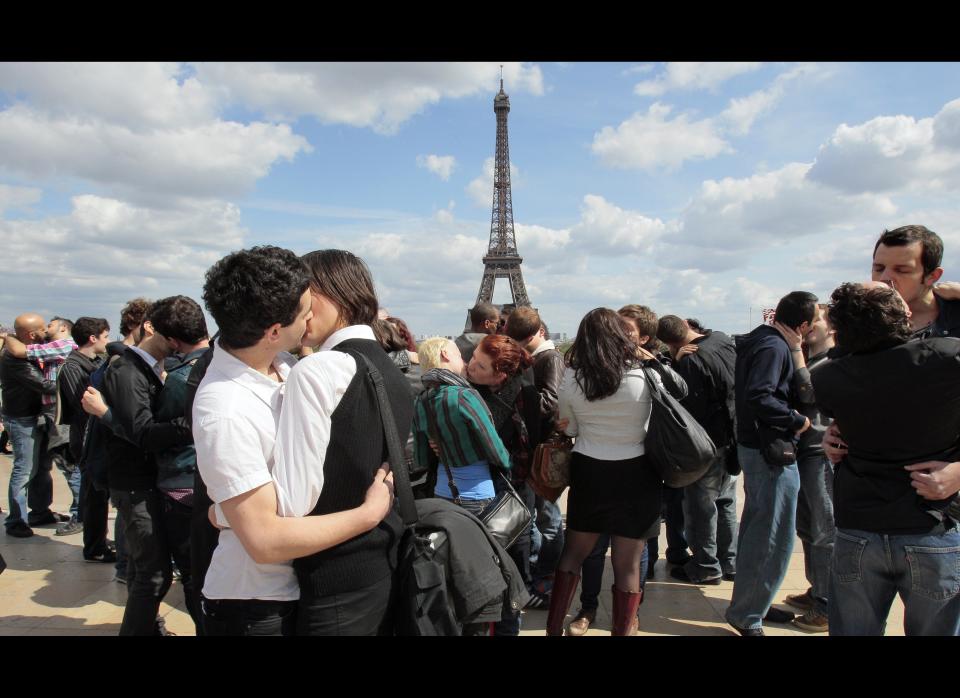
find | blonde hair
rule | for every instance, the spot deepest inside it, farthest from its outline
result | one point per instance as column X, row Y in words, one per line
column 429, row 352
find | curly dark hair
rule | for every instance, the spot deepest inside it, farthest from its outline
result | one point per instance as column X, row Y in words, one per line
column 345, row 280
column 179, row 317
column 405, row 334
column 601, row 353
column 248, row 291
column 133, row 315
column 867, row 318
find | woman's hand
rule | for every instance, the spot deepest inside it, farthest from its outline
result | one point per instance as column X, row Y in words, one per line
column 794, row 339
column 562, row 424
column 833, row 444
column 379, row 498
column 645, row 354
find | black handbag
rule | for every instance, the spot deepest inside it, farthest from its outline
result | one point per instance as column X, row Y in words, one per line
column 778, row 447
column 680, row 449
column 506, row 517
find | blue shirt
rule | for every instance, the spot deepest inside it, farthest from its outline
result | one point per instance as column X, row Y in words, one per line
column 473, row 481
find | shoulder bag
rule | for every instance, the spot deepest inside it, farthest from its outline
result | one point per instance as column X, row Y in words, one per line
column 680, row 449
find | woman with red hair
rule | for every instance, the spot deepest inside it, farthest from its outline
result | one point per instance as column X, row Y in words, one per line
column 498, row 369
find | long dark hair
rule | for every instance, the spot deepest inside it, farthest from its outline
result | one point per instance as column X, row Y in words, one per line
column 601, row 353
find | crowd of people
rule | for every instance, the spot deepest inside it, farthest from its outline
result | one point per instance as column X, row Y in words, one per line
column 258, row 466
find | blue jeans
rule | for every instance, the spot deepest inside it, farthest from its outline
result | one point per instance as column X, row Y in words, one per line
column 23, row 436
column 767, row 530
column 547, row 539
column 710, row 522
column 815, row 525
column 869, row 569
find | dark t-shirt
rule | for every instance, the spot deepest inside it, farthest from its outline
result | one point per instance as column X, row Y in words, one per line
column 895, row 406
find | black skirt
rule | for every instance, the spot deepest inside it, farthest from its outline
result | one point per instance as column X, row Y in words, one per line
column 620, row 497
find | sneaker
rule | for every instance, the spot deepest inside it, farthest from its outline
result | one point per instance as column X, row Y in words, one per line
column 681, row 575
column 120, row 579
column 729, row 576
column 813, row 620
column 20, row 530
column 69, row 528
column 538, row 600
column 750, row 632
column 802, row 601
column 775, row 615
column 581, row 624
column 51, row 517
column 105, row 556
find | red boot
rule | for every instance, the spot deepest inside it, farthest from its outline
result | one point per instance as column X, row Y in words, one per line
column 625, row 604
column 564, row 586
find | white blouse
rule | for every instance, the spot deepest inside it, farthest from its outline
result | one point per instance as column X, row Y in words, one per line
column 612, row 428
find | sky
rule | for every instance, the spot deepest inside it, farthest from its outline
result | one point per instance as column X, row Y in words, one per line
column 705, row 190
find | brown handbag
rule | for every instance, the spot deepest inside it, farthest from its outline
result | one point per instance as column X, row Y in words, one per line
column 550, row 469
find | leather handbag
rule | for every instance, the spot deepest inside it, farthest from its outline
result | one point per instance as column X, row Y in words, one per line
column 680, row 449
column 506, row 517
column 550, row 470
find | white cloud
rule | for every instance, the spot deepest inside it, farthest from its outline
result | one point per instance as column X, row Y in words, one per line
column 651, row 140
column 444, row 216
column 380, row 96
column 480, row 188
column 213, row 159
column 607, row 229
column 106, row 250
column 440, row 165
column 18, row 197
column 891, row 153
column 692, row 76
column 742, row 112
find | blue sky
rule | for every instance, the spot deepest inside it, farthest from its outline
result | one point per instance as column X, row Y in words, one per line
column 698, row 189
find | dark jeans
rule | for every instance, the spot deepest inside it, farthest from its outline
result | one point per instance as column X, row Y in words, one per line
column 248, row 617
column 362, row 612
column 203, row 540
column 509, row 626
column 591, row 579
column 151, row 574
column 548, row 540
column 815, row 524
column 176, row 528
column 94, row 510
column 673, row 521
column 710, row 518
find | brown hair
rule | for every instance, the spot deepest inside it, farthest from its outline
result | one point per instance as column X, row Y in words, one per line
column 645, row 318
column 133, row 315
column 523, row 323
column 345, row 280
column 506, row 354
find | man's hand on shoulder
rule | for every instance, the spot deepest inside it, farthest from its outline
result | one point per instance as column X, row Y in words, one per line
column 947, row 290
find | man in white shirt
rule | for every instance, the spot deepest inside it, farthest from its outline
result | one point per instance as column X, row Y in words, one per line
column 262, row 305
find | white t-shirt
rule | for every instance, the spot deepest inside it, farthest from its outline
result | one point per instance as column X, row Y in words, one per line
column 314, row 389
column 236, row 414
column 614, row 427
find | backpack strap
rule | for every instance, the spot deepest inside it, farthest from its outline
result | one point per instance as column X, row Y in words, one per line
column 398, row 464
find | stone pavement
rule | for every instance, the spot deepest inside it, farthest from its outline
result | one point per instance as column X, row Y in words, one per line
column 48, row 589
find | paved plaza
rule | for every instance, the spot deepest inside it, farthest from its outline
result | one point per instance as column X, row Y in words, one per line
column 48, row 589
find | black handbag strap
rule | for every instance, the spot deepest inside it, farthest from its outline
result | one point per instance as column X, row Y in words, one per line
column 453, row 487
column 398, row 464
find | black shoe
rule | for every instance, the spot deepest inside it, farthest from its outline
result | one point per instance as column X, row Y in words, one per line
column 775, row 615
column 20, row 530
column 750, row 632
column 729, row 576
column 684, row 559
column 106, row 556
column 51, row 517
column 681, row 575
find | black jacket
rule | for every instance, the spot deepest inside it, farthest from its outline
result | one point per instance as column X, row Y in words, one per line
column 894, row 406
column 72, row 381
column 764, row 386
column 709, row 374
column 23, row 384
column 947, row 323
column 132, row 389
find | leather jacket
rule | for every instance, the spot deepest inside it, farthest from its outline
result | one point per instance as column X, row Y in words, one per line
column 23, row 384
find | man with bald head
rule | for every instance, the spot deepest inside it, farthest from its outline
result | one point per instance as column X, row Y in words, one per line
column 23, row 388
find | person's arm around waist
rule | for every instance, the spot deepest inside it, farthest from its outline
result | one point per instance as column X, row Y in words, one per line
column 270, row 538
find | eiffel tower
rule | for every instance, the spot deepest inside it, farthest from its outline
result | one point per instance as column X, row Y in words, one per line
column 502, row 259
